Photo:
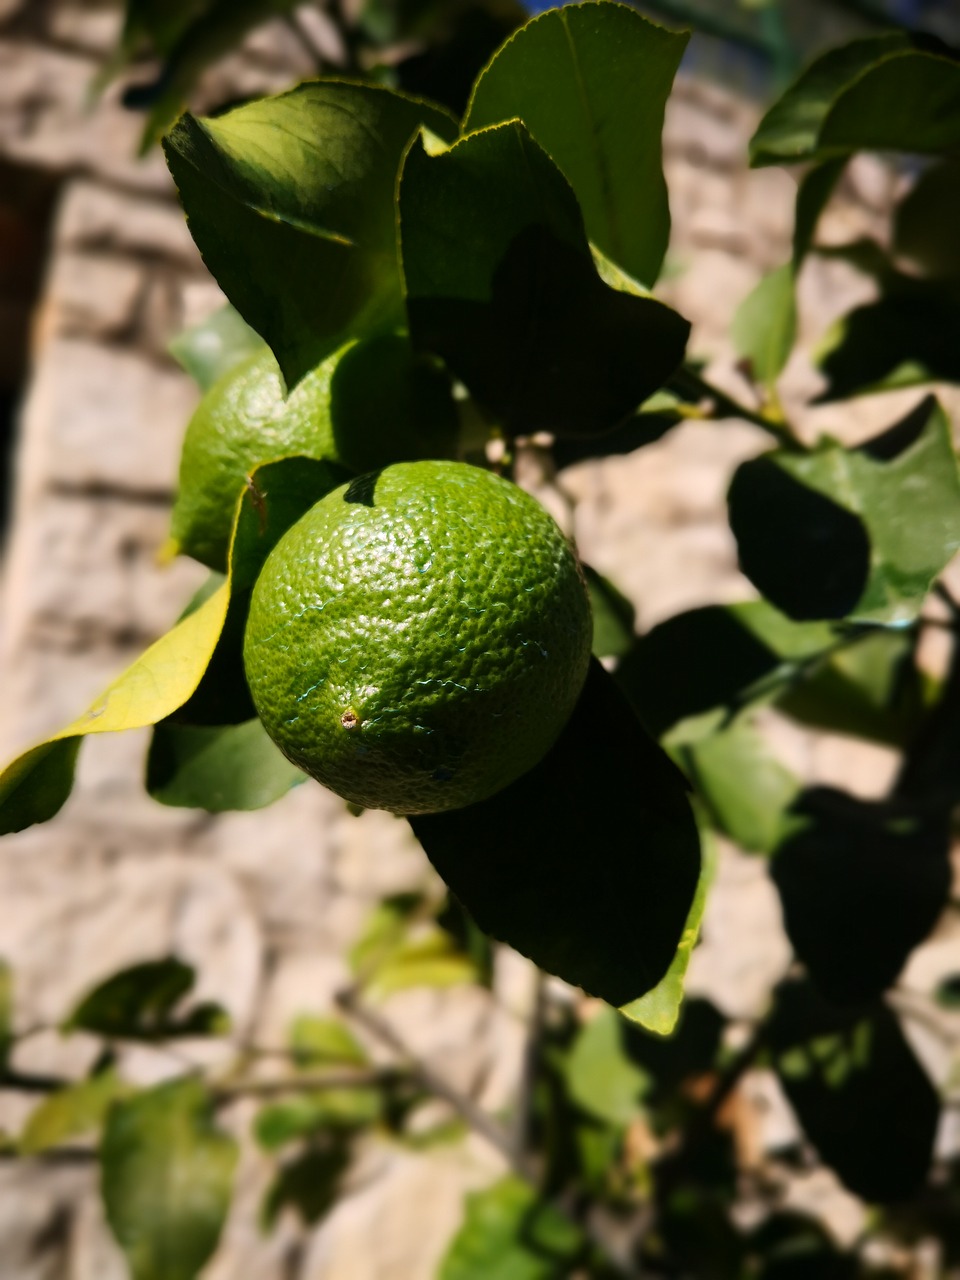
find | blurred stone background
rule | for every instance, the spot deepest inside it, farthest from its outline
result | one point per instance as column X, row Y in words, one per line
column 97, row 273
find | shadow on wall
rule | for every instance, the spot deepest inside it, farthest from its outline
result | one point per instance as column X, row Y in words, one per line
column 27, row 200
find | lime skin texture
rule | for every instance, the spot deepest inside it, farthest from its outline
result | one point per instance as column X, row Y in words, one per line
column 419, row 638
column 370, row 403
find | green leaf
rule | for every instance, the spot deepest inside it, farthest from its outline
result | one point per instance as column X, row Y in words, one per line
column 167, row 1178
column 659, row 1010
column 717, row 658
column 320, row 1041
column 590, row 82
column 888, row 867
column 765, row 325
column 217, row 767
column 813, row 192
column 745, row 789
column 291, row 202
column 218, row 30
column 501, row 283
column 383, row 931
column 319, row 1110
column 828, row 534
column 600, row 1077
column 216, row 345
column 869, row 689
column 596, row 891
column 310, row 1183
column 510, row 1233
column 859, row 1092
column 613, row 617
column 35, row 786
column 925, row 221
column 139, row 1003
column 71, row 1112
column 895, row 92
column 429, row 959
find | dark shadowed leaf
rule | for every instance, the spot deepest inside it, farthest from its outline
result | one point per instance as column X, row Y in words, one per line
column 509, row 1232
column 141, row 1003
column 167, row 1178
column 718, row 656
column 926, row 219
column 859, row 1092
column 572, row 76
column 765, row 325
column 904, row 339
column 888, row 871
column 806, row 553
column 895, row 92
column 598, row 894
column 72, row 1112
column 813, row 191
column 309, row 1183
column 291, row 202
column 218, row 767
column 216, row 345
column 37, row 784
column 827, row 534
column 501, row 283
column 613, row 617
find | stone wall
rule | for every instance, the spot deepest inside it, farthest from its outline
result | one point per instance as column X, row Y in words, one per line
column 265, row 904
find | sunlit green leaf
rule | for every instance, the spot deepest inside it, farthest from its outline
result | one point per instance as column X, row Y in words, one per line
column 510, row 1233
column 659, row 1009
column 291, row 202
column 314, row 1112
column 430, row 958
column 572, row 76
column 72, row 1112
column 765, row 325
column 745, row 789
column 321, row 1041
column 167, row 1178
column 600, row 1077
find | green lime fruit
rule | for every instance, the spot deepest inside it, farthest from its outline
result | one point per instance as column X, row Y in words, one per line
column 419, row 638
column 371, row 403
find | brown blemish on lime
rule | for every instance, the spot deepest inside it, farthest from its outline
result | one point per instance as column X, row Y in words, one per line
column 350, row 720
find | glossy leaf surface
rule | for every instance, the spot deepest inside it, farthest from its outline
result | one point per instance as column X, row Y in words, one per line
column 501, row 283
column 167, row 1177
column 590, row 82
column 290, row 201
column 599, row 895
column 216, row 345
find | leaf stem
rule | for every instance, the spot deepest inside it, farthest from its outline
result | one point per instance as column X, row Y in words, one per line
column 358, row 1078
column 465, row 1107
column 685, row 382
